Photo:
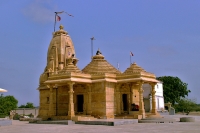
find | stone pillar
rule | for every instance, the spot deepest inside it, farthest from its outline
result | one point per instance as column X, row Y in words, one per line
column 51, row 106
column 89, row 110
column 132, row 95
column 153, row 92
column 129, row 102
column 118, row 99
column 71, row 103
column 141, row 102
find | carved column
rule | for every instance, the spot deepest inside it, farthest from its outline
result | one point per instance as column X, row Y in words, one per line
column 51, row 106
column 132, row 96
column 153, row 92
column 71, row 103
column 89, row 111
column 141, row 102
column 118, row 98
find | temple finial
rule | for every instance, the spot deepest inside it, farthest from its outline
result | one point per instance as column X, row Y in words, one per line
column 61, row 27
column 98, row 52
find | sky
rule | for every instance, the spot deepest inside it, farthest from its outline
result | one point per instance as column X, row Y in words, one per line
column 164, row 37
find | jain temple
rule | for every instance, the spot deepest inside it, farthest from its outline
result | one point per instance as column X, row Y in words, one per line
column 98, row 90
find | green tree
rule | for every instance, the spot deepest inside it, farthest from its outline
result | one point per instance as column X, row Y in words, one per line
column 186, row 105
column 173, row 89
column 28, row 105
column 7, row 103
column 22, row 106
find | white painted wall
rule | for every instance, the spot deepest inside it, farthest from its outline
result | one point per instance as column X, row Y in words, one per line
column 27, row 111
column 159, row 96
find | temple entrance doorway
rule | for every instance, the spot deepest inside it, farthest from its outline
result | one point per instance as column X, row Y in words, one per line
column 125, row 102
column 80, row 103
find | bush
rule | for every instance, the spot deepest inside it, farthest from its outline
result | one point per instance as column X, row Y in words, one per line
column 186, row 105
column 2, row 115
column 31, row 115
column 16, row 116
column 197, row 109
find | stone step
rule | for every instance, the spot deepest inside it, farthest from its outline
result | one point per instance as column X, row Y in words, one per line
column 114, row 122
column 156, row 120
column 83, row 118
column 62, row 122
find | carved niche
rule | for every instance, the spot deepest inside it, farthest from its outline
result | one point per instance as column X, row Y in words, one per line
column 125, row 88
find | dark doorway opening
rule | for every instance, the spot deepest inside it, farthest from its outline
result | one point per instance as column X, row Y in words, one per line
column 125, row 102
column 79, row 103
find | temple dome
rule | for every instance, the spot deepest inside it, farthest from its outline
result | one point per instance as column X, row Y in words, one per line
column 134, row 68
column 99, row 65
column 60, row 49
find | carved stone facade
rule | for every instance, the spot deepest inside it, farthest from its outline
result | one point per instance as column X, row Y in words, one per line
column 99, row 89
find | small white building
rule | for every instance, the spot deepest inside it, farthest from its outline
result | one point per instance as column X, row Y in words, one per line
column 159, row 97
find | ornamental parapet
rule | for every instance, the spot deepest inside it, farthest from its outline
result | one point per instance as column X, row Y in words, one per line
column 69, row 75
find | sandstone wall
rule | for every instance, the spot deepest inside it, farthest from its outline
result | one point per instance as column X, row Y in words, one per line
column 44, row 103
column 110, row 99
column 98, row 99
column 62, row 100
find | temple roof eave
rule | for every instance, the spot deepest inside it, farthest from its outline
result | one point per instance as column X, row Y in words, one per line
column 81, row 80
column 104, row 80
column 135, row 75
column 65, row 81
column 70, row 75
column 147, row 80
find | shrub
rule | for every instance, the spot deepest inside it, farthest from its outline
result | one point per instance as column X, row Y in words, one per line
column 2, row 115
column 16, row 116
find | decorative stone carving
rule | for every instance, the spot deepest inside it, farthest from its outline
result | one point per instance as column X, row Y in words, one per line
column 153, row 92
column 141, row 102
column 71, row 103
column 125, row 88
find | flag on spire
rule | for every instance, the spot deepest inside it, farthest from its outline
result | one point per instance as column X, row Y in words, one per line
column 131, row 54
column 69, row 14
column 64, row 12
column 58, row 18
column 59, row 12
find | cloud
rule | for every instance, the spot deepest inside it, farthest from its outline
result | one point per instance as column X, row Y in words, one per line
column 163, row 50
column 39, row 11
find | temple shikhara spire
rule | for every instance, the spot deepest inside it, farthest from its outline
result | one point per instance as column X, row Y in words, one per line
column 98, row 90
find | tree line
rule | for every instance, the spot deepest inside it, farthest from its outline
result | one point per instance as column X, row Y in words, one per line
column 8, row 103
column 176, row 91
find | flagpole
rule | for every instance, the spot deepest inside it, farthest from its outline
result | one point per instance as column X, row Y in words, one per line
column 55, row 21
column 92, row 47
column 118, row 65
column 130, row 59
